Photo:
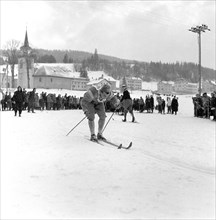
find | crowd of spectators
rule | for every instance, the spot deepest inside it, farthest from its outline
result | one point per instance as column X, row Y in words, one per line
column 205, row 106
column 50, row 101
column 149, row 104
column 42, row 101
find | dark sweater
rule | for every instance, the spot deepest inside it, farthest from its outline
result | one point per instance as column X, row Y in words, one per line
column 126, row 95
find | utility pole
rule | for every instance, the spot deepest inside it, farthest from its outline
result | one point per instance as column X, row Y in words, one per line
column 199, row 30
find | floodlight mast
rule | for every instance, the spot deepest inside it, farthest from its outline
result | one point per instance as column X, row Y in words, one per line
column 199, row 29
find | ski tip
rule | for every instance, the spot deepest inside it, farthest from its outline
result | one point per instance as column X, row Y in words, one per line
column 130, row 145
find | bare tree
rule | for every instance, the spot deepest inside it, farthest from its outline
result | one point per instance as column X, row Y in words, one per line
column 11, row 50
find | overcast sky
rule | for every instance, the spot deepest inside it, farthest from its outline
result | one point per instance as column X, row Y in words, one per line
column 139, row 30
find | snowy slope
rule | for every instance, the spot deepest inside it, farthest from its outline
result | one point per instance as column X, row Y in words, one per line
column 169, row 173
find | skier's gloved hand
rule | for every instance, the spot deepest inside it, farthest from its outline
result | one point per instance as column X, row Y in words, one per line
column 117, row 105
column 94, row 102
column 86, row 113
column 101, row 100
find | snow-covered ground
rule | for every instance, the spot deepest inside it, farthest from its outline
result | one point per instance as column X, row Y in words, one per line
column 169, row 173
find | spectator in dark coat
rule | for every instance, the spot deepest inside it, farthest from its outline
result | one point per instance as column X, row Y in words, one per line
column 163, row 104
column 174, row 105
column 152, row 103
column 31, row 101
column 206, row 105
column 18, row 99
column 1, row 99
column 127, row 104
column 213, row 105
column 148, row 103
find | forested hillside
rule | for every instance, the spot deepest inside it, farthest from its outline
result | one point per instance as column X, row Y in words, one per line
column 76, row 56
column 117, row 67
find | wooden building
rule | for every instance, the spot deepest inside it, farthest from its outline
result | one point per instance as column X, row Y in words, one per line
column 58, row 76
column 165, row 87
column 132, row 83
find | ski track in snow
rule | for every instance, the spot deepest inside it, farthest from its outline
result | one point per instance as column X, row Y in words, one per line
column 149, row 154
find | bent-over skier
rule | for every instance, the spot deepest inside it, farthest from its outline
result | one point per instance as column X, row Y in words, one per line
column 93, row 103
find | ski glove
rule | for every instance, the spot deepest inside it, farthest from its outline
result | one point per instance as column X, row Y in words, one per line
column 93, row 102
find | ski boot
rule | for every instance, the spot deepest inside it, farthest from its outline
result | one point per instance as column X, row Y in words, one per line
column 93, row 138
column 100, row 137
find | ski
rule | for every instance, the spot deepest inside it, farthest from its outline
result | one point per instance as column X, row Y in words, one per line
column 135, row 122
column 96, row 142
column 119, row 146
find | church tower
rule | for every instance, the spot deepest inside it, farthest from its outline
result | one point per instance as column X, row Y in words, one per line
column 25, row 65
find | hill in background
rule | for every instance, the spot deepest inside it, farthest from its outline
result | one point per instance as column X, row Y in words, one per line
column 117, row 67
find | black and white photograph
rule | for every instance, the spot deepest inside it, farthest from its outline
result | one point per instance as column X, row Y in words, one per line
column 107, row 109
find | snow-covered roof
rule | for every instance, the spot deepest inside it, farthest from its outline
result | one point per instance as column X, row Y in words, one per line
column 134, row 78
column 68, row 71
column 192, row 84
column 167, row 82
column 95, row 75
column 96, row 81
column 57, row 70
column 66, row 66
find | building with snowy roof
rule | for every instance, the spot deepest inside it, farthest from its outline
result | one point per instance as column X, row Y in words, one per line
column 98, row 83
column 58, row 76
column 165, row 87
column 96, row 76
column 180, row 85
column 191, row 88
column 132, row 83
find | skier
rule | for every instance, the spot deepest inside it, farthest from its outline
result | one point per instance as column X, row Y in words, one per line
column 127, row 104
column 93, row 102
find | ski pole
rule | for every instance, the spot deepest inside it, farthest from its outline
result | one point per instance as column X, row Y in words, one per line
column 75, row 126
column 108, row 121
column 110, row 118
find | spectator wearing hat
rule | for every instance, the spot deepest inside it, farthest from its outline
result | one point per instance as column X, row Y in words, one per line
column 93, row 103
column 127, row 104
column 18, row 99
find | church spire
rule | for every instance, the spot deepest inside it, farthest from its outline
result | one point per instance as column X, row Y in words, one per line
column 26, row 48
column 26, row 43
